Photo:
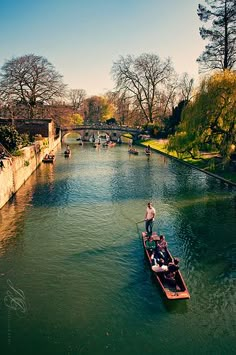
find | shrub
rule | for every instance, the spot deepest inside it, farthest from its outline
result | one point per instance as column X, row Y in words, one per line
column 10, row 138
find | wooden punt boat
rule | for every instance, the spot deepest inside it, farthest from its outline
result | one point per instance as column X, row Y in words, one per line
column 49, row 158
column 147, row 152
column 133, row 151
column 171, row 292
column 80, row 141
column 67, row 153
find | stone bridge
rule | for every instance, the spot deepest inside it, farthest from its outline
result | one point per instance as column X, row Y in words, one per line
column 88, row 131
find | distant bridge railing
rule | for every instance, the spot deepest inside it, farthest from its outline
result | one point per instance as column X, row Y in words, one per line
column 102, row 128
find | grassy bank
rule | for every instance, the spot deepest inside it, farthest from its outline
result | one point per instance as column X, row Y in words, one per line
column 206, row 163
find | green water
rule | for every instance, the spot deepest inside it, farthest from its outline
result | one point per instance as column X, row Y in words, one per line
column 73, row 274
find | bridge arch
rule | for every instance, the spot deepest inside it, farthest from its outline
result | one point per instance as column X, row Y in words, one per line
column 88, row 131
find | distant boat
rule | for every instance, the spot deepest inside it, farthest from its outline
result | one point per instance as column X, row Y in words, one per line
column 67, row 153
column 80, row 141
column 49, row 158
column 133, row 151
column 147, row 151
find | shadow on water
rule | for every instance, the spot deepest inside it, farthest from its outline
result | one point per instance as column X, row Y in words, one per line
column 171, row 306
column 175, row 306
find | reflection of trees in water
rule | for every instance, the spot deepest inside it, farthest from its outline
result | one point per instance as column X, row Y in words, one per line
column 207, row 237
column 130, row 182
column 12, row 214
column 204, row 220
column 197, row 210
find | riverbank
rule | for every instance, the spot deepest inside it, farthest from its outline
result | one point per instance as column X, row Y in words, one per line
column 205, row 164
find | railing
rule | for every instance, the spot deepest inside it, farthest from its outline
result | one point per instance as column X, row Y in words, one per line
column 102, row 127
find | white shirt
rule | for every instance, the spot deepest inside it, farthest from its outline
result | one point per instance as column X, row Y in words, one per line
column 158, row 268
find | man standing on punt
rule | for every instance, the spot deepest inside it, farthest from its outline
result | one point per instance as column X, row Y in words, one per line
column 149, row 218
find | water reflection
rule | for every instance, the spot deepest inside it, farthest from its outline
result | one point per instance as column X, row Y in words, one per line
column 73, row 238
column 13, row 214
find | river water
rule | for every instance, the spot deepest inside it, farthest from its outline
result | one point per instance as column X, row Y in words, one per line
column 73, row 274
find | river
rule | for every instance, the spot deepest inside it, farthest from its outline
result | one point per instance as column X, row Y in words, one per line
column 73, row 275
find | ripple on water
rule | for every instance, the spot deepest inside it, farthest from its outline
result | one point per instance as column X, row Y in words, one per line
column 74, row 248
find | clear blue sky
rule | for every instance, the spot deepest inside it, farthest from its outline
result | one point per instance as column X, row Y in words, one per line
column 82, row 38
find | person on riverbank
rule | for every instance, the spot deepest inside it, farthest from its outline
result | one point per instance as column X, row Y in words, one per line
column 149, row 218
column 1, row 165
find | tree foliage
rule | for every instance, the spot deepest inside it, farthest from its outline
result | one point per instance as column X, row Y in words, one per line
column 30, row 80
column 209, row 120
column 174, row 119
column 10, row 138
column 146, row 79
column 76, row 119
column 98, row 109
column 220, row 52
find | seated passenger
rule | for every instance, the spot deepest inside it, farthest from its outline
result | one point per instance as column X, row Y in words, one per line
column 150, row 244
column 158, row 266
column 161, row 247
column 172, row 268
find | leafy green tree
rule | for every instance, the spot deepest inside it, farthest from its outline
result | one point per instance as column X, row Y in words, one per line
column 98, row 109
column 25, row 139
column 209, row 119
column 173, row 120
column 10, row 138
column 220, row 52
column 77, row 119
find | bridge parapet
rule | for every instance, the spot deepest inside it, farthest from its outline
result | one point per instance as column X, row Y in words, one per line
column 112, row 130
column 101, row 128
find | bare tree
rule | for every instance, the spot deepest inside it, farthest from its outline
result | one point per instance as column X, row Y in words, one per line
column 30, row 80
column 167, row 97
column 77, row 97
column 144, row 78
column 186, row 87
